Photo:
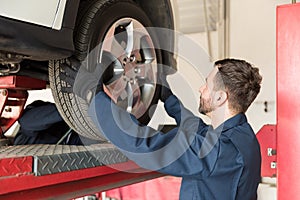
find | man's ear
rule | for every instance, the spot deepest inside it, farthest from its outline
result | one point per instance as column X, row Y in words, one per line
column 220, row 98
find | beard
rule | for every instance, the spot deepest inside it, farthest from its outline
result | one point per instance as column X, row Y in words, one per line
column 205, row 106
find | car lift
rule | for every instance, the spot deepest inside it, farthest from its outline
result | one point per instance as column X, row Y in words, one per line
column 56, row 171
column 49, row 171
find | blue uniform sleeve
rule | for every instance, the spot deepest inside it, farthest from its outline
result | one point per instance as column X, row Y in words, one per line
column 40, row 117
column 183, row 117
column 177, row 152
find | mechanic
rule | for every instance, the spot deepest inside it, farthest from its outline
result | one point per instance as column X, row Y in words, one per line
column 218, row 161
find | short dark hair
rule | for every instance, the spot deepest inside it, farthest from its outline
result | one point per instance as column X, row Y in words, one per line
column 240, row 80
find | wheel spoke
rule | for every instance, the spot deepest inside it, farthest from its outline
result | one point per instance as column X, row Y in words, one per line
column 112, row 45
column 129, row 97
column 130, row 39
column 148, row 90
column 117, row 49
column 147, row 51
column 116, row 88
column 144, row 71
column 136, row 97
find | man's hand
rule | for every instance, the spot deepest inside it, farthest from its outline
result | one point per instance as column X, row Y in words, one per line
column 81, row 81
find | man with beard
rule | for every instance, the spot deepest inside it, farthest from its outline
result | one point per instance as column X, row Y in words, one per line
column 218, row 161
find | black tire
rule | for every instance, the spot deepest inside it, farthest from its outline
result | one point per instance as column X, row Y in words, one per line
column 93, row 23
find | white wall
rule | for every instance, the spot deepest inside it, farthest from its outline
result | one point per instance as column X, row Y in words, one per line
column 253, row 37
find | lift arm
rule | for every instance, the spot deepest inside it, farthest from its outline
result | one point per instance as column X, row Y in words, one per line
column 61, row 172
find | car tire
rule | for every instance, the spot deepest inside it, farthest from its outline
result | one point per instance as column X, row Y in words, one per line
column 95, row 23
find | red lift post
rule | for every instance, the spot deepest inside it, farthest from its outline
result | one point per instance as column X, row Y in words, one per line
column 280, row 143
column 288, row 105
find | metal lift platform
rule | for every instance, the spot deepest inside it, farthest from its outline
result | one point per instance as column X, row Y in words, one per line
column 64, row 172
column 56, row 171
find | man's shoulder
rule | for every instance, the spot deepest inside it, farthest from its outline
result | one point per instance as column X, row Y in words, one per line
column 237, row 126
column 243, row 138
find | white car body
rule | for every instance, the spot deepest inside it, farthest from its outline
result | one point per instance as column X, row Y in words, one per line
column 47, row 13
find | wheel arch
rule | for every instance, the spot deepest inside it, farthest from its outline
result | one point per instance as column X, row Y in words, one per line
column 161, row 14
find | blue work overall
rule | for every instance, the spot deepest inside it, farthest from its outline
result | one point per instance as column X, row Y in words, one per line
column 222, row 163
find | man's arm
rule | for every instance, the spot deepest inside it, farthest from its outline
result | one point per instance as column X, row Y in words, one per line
column 182, row 116
column 40, row 117
column 176, row 152
column 170, row 153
